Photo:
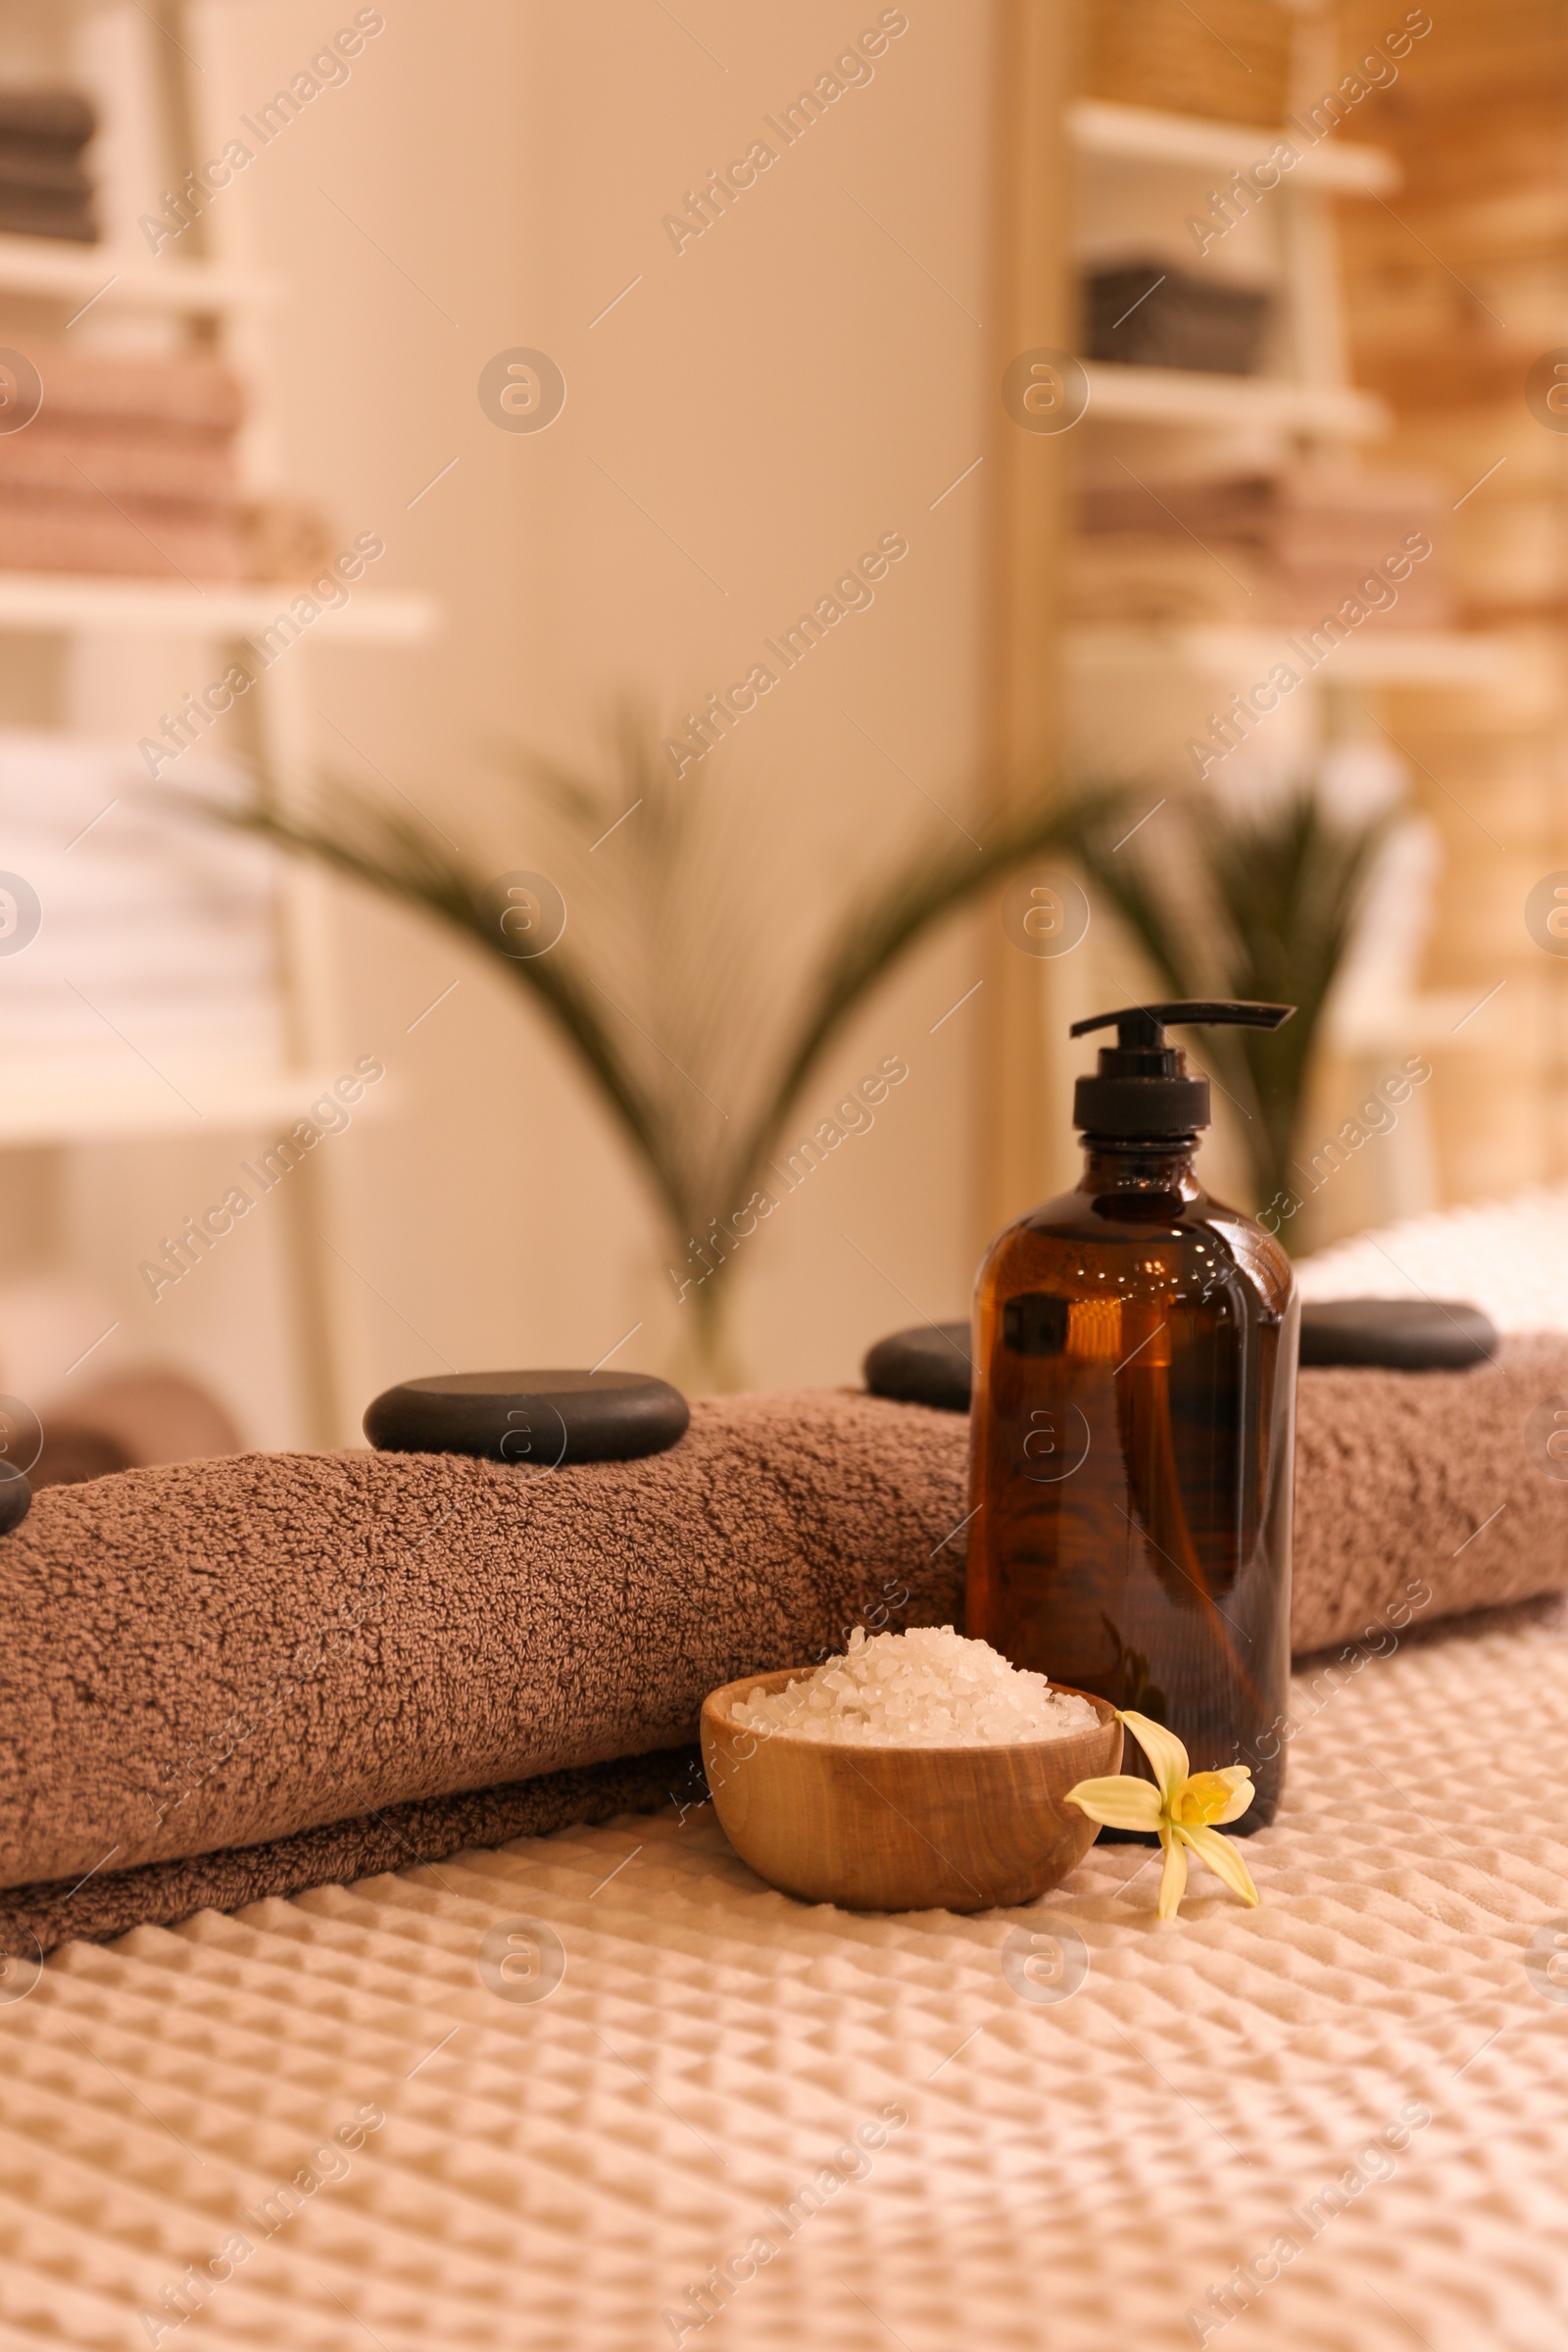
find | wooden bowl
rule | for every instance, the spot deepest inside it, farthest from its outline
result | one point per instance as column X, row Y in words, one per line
column 902, row 1828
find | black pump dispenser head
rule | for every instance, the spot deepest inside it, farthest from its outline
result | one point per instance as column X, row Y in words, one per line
column 1143, row 1088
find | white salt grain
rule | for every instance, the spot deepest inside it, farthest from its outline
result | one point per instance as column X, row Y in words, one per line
column 929, row 1688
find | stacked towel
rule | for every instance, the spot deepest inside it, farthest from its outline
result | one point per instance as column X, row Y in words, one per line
column 128, row 466
column 1284, row 546
column 44, row 191
column 157, row 936
column 1147, row 314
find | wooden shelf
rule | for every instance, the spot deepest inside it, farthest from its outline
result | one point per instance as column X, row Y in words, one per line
column 54, row 268
column 1177, row 396
column 1374, row 655
column 1139, row 134
column 49, row 601
column 93, row 1105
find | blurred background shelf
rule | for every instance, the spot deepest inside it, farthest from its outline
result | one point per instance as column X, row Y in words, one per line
column 167, row 392
column 89, row 274
column 92, row 1107
column 37, row 600
column 1426, row 657
column 1179, row 396
column 1191, row 498
column 1142, row 134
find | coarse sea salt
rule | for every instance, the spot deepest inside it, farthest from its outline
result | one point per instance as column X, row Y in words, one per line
column 928, row 1688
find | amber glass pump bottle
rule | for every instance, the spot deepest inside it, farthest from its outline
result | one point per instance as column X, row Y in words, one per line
column 1133, row 1423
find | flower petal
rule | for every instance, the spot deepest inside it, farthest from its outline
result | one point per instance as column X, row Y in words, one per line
column 1118, row 1802
column 1241, row 1792
column 1223, row 1860
column 1173, row 1878
column 1163, row 1750
column 1213, row 1796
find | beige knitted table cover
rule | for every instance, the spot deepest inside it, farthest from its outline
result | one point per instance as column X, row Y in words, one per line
column 736, row 2121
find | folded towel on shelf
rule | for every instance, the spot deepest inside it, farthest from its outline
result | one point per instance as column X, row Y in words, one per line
column 1148, row 314
column 128, row 468
column 27, row 211
column 44, row 190
column 1299, row 513
column 37, row 167
column 141, row 538
column 128, row 458
column 51, row 117
column 223, row 1655
column 1301, row 538
column 187, row 388
column 159, row 933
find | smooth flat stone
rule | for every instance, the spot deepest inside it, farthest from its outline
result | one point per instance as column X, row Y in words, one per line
column 1399, row 1335
column 540, row 1418
column 928, row 1365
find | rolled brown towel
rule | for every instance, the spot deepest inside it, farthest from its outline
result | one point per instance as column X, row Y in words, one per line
column 223, row 1653
column 300, row 1664
column 1425, row 1478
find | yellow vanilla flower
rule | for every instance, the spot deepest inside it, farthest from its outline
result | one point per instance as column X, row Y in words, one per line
column 1183, row 1808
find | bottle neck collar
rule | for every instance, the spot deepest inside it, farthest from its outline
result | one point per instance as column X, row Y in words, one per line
column 1119, row 1163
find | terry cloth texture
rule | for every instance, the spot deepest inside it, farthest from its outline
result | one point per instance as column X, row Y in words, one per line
column 1437, row 1480
column 215, row 1653
column 160, row 1894
column 285, row 1663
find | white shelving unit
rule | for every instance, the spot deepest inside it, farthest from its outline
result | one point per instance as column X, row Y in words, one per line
column 1182, row 396
column 87, row 274
column 1314, row 405
column 1095, row 127
column 1376, row 656
column 233, row 1102
column 1143, row 173
column 157, row 77
column 137, row 608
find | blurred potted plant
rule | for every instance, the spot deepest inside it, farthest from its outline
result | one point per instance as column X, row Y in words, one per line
column 1258, row 903
column 678, row 981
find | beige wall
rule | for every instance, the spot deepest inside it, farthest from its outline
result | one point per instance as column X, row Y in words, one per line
column 773, row 398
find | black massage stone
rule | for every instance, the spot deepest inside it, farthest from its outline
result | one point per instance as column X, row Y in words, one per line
column 16, row 1499
column 929, row 1366
column 539, row 1418
column 1397, row 1335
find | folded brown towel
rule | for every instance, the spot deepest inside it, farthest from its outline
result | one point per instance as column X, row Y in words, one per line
column 120, row 458
column 1423, row 1479
column 42, row 168
column 193, row 387
column 288, row 1663
column 39, row 213
column 158, row 1895
column 144, row 538
column 56, row 118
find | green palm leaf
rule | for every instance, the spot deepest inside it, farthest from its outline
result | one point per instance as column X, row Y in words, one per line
column 699, row 984
column 1259, row 904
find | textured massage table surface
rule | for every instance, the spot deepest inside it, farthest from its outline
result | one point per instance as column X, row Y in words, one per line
column 1073, row 2173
